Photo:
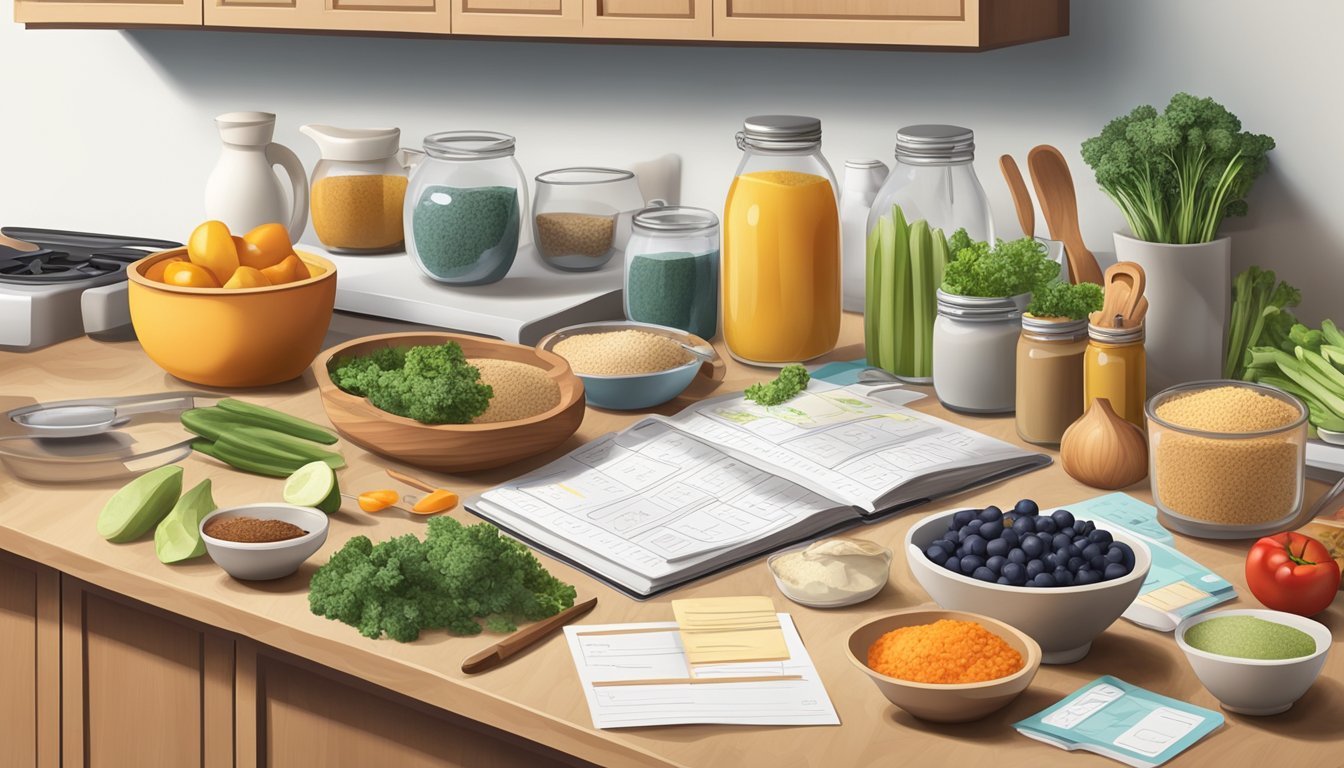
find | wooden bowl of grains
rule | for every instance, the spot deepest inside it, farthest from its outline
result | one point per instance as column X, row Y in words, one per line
column 629, row 366
column 537, row 404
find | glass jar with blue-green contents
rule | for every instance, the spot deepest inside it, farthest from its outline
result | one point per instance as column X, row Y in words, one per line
column 672, row 269
column 464, row 207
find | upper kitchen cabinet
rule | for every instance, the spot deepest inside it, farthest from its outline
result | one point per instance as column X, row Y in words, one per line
column 518, row 18
column 346, row 15
column 649, row 19
column 108, row 12
column 973, row 24
column 938, row 24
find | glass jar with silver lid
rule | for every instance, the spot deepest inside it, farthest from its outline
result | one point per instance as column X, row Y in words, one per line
column 781, row 245
column 934, row 180
column 464, row 207
column 975, row 352
column 672, row 269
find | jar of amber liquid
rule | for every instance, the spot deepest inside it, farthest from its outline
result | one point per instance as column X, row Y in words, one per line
column 1050, row 355
column 1115, row 367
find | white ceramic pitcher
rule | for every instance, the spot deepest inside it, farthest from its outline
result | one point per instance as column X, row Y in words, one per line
column 243, row 191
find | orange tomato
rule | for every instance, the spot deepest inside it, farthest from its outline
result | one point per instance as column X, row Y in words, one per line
column 287, row 271
column 211, row 246
column 155, row 271
column 247, row 277
column 189, row 275
column 270, row 244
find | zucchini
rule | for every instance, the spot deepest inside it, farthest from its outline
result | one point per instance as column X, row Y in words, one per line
column 903, row 318
column 921, row 298
column 268, row 442
column 280, row 422
column 886, row 307
column 871, row 291
column 243, row 461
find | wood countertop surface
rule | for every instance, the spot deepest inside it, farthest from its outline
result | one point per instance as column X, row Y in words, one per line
column 537, row 695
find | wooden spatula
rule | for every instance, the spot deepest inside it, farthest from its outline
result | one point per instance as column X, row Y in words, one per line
column 1059, row 204
column 1017, row 187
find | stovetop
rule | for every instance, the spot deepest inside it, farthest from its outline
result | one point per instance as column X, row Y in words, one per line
column 68, row 258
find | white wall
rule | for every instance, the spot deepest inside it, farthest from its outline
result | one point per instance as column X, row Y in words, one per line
column 112, row 131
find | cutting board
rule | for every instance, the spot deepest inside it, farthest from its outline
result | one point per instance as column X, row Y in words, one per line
column 530, row 302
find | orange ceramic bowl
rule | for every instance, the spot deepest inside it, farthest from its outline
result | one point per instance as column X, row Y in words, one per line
column 235, row 337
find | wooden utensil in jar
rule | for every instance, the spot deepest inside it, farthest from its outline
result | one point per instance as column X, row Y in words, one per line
column 1102, row 450
column 1059, row 204
column 1017, row 187
column 1124, row 286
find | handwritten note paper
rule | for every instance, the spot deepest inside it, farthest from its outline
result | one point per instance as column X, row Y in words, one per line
column 727, row 629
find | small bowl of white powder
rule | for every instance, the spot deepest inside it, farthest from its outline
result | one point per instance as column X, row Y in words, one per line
column 831, row 573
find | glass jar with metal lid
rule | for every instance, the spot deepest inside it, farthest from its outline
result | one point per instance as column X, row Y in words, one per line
column 934, row 182
column 1049, row 377
column 464, row 207
column 781, row 245
column 672, row 269
column 974, row 352
column 1115, row 367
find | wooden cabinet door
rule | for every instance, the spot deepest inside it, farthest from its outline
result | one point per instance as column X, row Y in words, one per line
column 889, row 22
column 649, row 19
column 292, row 712
column 114, row 12
column 30, row 664
column 518, row 18
column 141, row 688
column 350, row 15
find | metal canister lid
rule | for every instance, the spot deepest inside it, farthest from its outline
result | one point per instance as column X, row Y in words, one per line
column 468, row 145
column 780, row 132
column 935, row 144
column 1054, row 327
column 981, row 309
column 1109, row 335
column 674, row 218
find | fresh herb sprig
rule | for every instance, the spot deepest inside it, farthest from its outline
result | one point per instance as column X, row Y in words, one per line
column 792, row 379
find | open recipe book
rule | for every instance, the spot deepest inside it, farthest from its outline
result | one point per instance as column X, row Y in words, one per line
column 671, row 499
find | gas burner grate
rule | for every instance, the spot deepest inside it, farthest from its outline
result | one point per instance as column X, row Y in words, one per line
column 46, row 266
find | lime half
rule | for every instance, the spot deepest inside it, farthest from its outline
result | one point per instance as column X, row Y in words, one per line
column 314, row 485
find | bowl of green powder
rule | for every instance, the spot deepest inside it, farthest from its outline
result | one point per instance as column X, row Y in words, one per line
column 1254, row 661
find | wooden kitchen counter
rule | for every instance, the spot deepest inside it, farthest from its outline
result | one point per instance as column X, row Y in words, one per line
column 537, row 696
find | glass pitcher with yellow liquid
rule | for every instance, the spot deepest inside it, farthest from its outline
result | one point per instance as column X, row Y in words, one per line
column 781, row 245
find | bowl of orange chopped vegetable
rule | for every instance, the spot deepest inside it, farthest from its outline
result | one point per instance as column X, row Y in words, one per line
column 945, row 666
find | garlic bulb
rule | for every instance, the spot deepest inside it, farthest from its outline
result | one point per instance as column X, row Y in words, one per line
column 1102, row 450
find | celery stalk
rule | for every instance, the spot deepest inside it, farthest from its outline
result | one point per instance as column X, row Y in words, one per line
column 902, row 319
column 1328, row 373
column 1331, row 333
column 872, row 289
column 886, row 302
column 1334, row 354
column 921, row 298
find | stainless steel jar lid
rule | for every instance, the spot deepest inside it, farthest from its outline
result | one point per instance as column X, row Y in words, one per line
column 1108, row 335
column 935, row 145
column 468, row 145
column 675, row 218
column 1054, row 328
column 780, row 132
column 979, row 309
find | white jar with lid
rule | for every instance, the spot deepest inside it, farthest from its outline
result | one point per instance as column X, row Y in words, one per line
column 359, row 187
column 975, row 352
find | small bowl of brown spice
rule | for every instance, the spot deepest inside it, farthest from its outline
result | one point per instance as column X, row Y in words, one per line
column 256, row 542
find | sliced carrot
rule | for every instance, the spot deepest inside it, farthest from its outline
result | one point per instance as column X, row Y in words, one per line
column 438, row 501
column 377, row 501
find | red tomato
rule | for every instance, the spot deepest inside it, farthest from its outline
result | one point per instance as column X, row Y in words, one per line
column 1292, row 572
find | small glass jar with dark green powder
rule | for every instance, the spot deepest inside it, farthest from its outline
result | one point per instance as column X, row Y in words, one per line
column 672, row 269
column 464, row 207
column 1249, row 637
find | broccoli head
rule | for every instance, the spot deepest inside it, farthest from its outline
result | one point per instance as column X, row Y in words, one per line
column 431, row 384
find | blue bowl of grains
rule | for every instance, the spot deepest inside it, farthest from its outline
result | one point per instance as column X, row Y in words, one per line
column 629, row 366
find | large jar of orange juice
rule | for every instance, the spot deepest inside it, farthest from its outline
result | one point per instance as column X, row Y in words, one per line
column 781, row 245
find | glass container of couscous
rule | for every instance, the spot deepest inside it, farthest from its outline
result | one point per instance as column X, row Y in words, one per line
column 464, row 207
column 1227, row 458
column 628, row 366
column 575, row 214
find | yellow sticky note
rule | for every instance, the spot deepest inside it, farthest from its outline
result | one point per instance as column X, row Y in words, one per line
column 730, row 629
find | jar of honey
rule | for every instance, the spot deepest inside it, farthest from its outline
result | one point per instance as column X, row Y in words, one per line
column 1115, row 367
column 781, row 245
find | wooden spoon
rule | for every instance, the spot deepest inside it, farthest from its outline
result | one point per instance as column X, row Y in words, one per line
column 1128, row 272
column 1059, row 204
column 523, row 639
column 1017, row 187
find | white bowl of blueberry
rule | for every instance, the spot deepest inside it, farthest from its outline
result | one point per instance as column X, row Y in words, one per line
column 1061, row 580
